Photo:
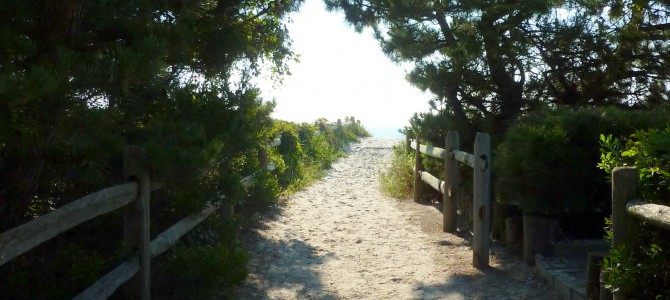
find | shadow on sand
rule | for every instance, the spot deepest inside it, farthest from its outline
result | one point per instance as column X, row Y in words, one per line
column 276, row 265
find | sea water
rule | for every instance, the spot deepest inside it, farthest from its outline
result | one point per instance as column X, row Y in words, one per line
column 386, row 133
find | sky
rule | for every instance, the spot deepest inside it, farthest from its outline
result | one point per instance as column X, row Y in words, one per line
column 341, row 73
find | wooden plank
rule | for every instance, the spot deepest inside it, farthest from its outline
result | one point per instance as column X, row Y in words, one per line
column 431, row 180
column 168, row 238
column 657, row 215
column 433, row 151
column 481, row 220
column 18, row 240
column 464, row 157
column 108, row 284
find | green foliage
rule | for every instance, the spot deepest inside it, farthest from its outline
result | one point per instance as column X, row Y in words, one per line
column 264, row 191
column 397, row 179
column 644, row 275
column 496, row 60
column 309, row 149
column 548, row 160
column 356, row 128
column 82, row 79
column 641, row 272
column 622, row 271
column 291, row 152
column 82, row 267
column 649, row 152
column 206, row 262
column 203, row 270
column 79, row 80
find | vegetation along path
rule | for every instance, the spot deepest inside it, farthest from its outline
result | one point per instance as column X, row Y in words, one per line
column 341, row 239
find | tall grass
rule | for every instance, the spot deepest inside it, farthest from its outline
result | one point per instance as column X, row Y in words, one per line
column 396, row 180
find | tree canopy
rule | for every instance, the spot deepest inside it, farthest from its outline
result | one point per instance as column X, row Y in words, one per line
column 492, row 60
column 79, row 79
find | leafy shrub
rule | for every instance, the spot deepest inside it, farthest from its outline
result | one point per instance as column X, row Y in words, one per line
column 356, row 128
column 397, row 180
column 307, row 150
column 202, row 270
column 67, row 272
column 291, row 152
column 548, row 163
column 641, row 272
column 264, row 191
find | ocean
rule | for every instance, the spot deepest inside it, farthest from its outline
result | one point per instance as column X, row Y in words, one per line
column 386, row 133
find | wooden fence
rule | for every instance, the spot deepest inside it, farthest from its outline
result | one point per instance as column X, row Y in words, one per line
column 627, row 213
column 480, row 163
column 134, row 198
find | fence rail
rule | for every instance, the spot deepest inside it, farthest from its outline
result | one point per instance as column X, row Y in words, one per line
column 134, row 198
column 18, row 240
column 479, row 162
column 654, row 214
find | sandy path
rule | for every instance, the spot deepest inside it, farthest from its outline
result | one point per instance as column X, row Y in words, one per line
column 341, row 239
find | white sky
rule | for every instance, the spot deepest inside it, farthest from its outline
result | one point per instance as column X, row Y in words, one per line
column 341, row 73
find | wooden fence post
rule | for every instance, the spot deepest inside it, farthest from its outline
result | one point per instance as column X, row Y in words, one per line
column 593, row 285
column 481, row 201
column 408, row 143
column 263, row 152
column 136, row 220
column 624, row 227
column 512, row 230
column 538, row 234
column 418, row 183
column 451, row 178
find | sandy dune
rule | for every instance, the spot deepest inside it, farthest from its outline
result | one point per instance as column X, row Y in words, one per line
column 341, row 239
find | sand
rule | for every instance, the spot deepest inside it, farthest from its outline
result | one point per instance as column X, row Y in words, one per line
column 342, row 239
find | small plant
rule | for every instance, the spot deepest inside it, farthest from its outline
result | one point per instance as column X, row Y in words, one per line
column 397, row 180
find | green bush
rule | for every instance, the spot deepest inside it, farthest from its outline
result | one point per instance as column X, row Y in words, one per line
column 80, row 267
column 548, row 160
column 203, row 270
column 307, row 150
column 397, row 179
column 641, row 272
column 264, row 191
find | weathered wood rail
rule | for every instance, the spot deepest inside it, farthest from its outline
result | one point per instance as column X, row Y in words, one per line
column 134, row 198
column 480, row 163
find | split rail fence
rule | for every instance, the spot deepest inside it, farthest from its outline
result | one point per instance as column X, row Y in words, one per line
column 480, row 162
column 134, row 198
column 627, row 213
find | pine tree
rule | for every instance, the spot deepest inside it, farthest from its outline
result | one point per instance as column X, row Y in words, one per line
column 80, row 79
